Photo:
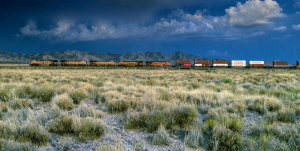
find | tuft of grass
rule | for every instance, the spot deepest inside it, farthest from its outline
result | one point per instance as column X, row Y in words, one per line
column 44, row 93
column 33, row 133
column 78, row 95
column 194, row 138
column 16, row 146
column 3, row 107
column 160, row 137
column 286, row 115
column 117, row 106
column 85, row 111
column 21, row 103
column 256, row 105
column 90, row 128
column 62, row 125
column 63, row 101
column 86, row 128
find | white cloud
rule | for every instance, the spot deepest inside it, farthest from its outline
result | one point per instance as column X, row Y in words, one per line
column 296, row 27
column 250, row 14
column 254, row 12
column 280, row 28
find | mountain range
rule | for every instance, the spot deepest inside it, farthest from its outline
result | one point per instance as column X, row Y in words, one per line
column 87, row 56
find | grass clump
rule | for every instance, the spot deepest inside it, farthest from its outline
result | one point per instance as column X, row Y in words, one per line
column 3, row 107
column 160, row 138
column 176, row 118
column 33, row 133
column 78, row 95
column 194, row 138
column 21, row 103
column 90, row 128
column 118, row 106
column 62, row 125
column 63, row 101
column 286, row 115
column 44, row 93
column 6, row 145
column 86, row 128
column 256, row 105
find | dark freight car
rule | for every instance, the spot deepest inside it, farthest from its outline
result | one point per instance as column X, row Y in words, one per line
column 73, row 63
column 102, row 63
column 202, row 63
column 220, row 63
column 184, row 63
column 280, row 64
column 158, row 63
column 44, row 63
column 131, row 63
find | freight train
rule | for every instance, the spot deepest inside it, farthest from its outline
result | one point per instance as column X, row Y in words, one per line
column 182, row 64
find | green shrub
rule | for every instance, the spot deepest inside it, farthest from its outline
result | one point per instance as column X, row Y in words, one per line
column 160, row 138
column 176, row 118
column 227, row 80
column 63, row 101
column 257, row 106
column 90, row 129
column 12, row 145
column 117, row 106
column 33, row 133
column 194, row 138
column 44, row 93
column 62, row 125
column 236, row 125
column 225, row 139
column 6, row 93
column 286, row 115
column 3, row 107
column 21, row 103
column 25, row 91
column 78, row 95
column 6, row 131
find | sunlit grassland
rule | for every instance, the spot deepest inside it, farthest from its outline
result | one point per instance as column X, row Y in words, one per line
column 222, row 109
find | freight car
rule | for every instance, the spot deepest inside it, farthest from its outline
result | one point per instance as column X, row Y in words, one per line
column 256, row 64
column 201, row 63
column 73, row 63
column 184, row 63
column 158, row 63
column 220, row 63
column 131, row 63
column 280, row 64
column 44, row 63
column 238, row 63
column 102, row 63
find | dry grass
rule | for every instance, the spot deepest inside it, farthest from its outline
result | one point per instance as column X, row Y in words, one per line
column 213, row 110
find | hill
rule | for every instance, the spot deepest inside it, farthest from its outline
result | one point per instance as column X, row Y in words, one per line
column 87, row 56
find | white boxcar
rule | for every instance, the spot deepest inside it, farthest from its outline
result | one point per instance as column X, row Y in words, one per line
column 257, row 62
column 220, row 65
column 238, row 63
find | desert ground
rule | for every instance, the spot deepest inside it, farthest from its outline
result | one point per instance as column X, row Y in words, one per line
column 132, row 109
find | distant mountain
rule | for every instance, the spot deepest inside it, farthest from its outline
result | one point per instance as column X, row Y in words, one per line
column 87, row 56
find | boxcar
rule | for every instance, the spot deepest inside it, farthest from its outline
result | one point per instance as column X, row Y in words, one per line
column 220, row 63
column 158, row 63
column 44, row 63
column 238, row 63
column 202, row 63
column 184, row 63
column 298, row 64
column 256, row 64
column 131, row 63
column 280, row 64
column 73, row 63
column 102, row 63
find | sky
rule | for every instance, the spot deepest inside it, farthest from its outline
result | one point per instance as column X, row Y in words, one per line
column 228, row 29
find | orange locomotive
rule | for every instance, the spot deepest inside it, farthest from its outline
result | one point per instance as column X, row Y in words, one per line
column 44, row 63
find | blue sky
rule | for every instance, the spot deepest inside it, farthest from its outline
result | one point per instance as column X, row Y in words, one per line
column 229, row 29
